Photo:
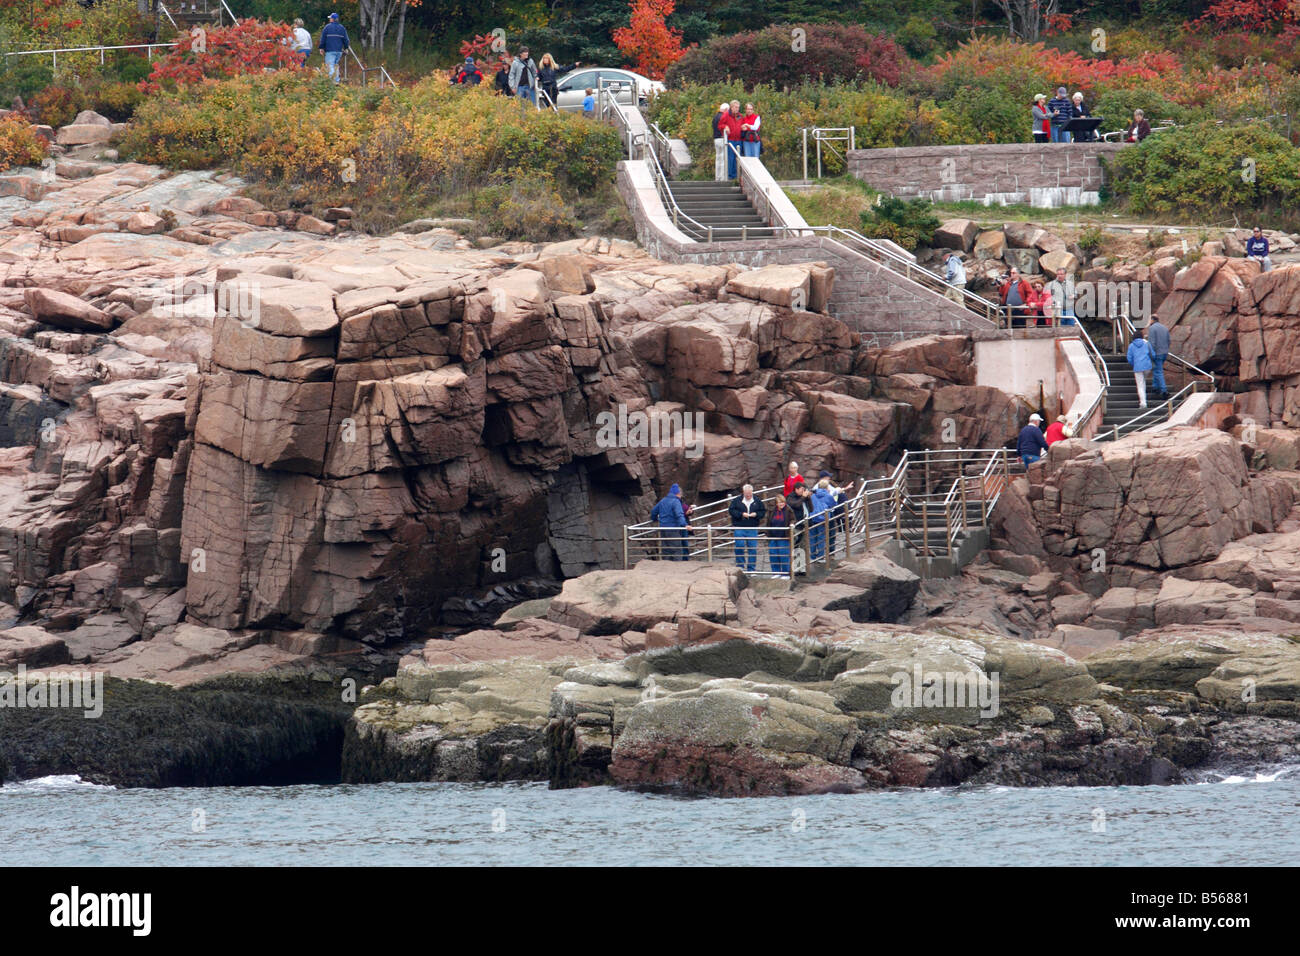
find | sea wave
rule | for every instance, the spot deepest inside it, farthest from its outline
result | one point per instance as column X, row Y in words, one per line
column 60, row 781
column 1262, row 775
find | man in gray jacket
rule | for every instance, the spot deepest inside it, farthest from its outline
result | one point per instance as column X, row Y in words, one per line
column 1158, row 339
column 523, row 76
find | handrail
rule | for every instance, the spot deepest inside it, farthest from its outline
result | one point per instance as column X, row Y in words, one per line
column 365, row 70
column 54, row 53
column 233, row 19
column 167, row 15
column 1099, row 363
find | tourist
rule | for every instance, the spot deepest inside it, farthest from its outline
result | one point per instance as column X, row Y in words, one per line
column 1055, row 431
column 1030, row 444
column 1042, row 119
column 1158, row 340
column 778, row 537
column 840, row 494
column 954, row 272
column 792, row 478
column 1046, row 306
column 523, row 76
column 549, row 73
column 501, row 82
column 672, row 523
column 800, row 508
column 732, row 123
column 720, row 140
column 1062, row 110
column 1061, row 290
column 750, row 139
column 1078, row 110
column 823, row 502
column 1257, row 249
column 301, row 40
column 333, row 44
column 1139, row 357
column 1138, row 130
column 746, row 515
column 468, row 74
column 589, row 103
column 1014, row 295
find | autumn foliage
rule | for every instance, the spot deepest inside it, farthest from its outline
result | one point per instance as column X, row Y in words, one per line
column 250, row 46
column 649, row 42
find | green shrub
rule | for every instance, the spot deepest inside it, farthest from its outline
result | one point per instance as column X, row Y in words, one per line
column 1205, row 171
column 908, row 222
column 1090, row 240
column 525, row 207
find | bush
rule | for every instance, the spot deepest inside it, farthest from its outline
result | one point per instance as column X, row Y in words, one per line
column 117, row 101
column 19, row 146
column 832, row 52
column 908, row 222
column 1203, row 171
column 249, row 46
column 528, row 207
column 391, row 154
column 57, row 105
column 1090, row 240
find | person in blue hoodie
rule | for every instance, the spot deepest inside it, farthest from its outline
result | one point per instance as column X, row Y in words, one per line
column 1139, row 356
column 671, row 516
column 333, row 44
column 823, row 502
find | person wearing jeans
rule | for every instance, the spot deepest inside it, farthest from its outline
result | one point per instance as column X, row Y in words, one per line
column 333, row 44
column 523, row 76
column 778, row 541
column 1030, row 443
column 1062, row 111
column 1158, row 339
column 673, row 526
column 746, row 514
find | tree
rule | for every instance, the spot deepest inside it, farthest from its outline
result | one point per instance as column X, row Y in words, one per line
column 649, row 42
column 1029, row 19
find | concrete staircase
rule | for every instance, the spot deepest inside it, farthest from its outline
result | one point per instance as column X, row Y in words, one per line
column 1122, row 408
column 721, row 207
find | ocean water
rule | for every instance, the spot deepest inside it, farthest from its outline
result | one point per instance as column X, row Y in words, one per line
column 1222, row 821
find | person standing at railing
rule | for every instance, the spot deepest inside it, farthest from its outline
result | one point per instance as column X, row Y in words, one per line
column 523, row 76
column 1042, row 119
column 301, row 40
column 732, row 122
column 746, row 513
column 751, row 141
column 840, row 494
column 797, row 501
column 673, row 528
column 954, row 273
column 1061, row 290
column 778, row 537
column 1014, row 294
column 823, row 503
column 1158, row 339
column 1030, row 443
column 1139, row 356
column 549, row 73
column 333, row 44
column 1078, row 111
column 720, row 141
column 792, row 478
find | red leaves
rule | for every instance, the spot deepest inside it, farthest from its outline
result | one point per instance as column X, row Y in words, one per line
column 250, row 46
column 649, row 43
column 1251, row 14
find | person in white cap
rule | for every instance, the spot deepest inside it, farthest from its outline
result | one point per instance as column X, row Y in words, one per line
column 1031, row 444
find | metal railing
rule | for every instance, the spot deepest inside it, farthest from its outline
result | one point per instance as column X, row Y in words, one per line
column 54, row 53
column 928, row 503
column 1103, row 371
column 380, row 73
column 1198, row 380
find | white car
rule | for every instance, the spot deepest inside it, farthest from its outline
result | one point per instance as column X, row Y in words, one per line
column 572, row 87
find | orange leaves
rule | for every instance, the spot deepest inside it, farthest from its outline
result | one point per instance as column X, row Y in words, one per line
column 250, row 46
column 649, row 42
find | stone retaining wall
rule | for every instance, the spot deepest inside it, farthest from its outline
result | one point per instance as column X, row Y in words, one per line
column 1045, row 175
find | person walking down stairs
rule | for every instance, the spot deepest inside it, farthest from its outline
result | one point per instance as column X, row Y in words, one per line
column 333, row 44
column 1139, row 357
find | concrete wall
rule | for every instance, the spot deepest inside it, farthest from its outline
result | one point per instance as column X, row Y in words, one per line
column 870, row 299
column 1045, row 175
column 1020, row 367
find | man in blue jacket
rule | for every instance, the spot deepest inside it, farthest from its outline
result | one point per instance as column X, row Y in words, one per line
column 1031, row 444
column 672, row 518
column 1062, row 111
column 333, row 43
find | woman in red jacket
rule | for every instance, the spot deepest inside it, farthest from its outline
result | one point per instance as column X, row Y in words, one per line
column 732, row 122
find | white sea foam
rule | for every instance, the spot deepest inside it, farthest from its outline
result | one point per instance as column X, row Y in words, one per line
column 61, row 781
